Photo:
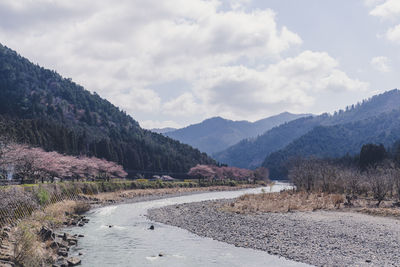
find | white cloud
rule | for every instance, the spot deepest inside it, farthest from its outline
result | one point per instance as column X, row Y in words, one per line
column 393, row 34
column 239, row 4
column 389, row 9
column 381, row 64
column 183, row 105
column 121, row 49
column 136, row 100
column 291, row 84
column 370, row 3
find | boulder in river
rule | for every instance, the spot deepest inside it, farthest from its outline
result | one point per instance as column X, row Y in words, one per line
column 73, row 261
column 46, row 233
column 62, row 252
column 151, row 227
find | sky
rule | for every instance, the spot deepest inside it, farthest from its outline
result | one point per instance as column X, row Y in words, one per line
column 171, row 63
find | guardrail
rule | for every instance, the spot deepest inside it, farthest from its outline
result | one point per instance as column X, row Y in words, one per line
column 9, row 182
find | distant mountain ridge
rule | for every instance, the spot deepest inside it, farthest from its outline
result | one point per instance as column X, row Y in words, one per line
column 216, row 134
column 163, row 130
column 41, row 108
column 252, row 153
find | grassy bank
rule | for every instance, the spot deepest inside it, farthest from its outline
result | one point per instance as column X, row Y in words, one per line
column 26, row 244
column 285, row 202
column 290, row 200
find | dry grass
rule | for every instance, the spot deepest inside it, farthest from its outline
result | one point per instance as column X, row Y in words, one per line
column 383, row 212
column 285, row 201
column 27, row 247
column 54, row 215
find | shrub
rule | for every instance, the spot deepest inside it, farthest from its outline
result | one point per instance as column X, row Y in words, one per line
column 25, row 247
column 43, row 196
column 81, row 207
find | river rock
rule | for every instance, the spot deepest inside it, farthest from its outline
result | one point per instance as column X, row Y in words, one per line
column 59, row 244
column 73, row 261
column 4, row 263
column 67, row 237
column 61, row 262
column 72, row 242
column 62, row 252
column 46, row 233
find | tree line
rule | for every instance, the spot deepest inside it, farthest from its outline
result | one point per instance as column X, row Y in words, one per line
column 25, row 163
column 373, row 172
column 213, row 172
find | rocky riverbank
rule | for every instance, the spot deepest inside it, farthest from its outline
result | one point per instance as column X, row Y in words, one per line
column 321, row 238
column 61, row 242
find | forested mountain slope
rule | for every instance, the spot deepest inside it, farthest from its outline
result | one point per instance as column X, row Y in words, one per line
column 337, row 141
column 216, row 134
column 41, row 108
column 252, row 152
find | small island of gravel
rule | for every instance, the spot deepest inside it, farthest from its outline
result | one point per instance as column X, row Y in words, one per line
column 321, row 238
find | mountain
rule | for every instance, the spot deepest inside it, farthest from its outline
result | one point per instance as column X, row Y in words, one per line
column 251, row 153
column 216, row 134
column 337, row 141
column 41, row 108
column 163, row 130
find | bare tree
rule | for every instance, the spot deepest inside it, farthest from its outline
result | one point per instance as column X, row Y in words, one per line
column 380, row 184
column 396, row 182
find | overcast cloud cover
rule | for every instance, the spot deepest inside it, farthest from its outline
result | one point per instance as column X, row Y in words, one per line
column 176, row 62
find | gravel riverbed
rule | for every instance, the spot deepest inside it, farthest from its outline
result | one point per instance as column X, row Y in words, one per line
column 320, row 238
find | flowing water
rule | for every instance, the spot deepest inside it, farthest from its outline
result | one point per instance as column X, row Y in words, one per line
column 130, row 243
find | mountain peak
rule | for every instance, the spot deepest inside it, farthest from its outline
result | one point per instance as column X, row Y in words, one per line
column 217, row 133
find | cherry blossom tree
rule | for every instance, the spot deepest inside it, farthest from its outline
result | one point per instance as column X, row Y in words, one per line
column 225, row 173
column 202, row 172
column 37, row 164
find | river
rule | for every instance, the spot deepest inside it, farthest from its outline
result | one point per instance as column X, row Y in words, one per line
column 129, row 242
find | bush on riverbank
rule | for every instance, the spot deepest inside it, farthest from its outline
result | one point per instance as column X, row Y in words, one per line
column 379, row 183
column 373, row 174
